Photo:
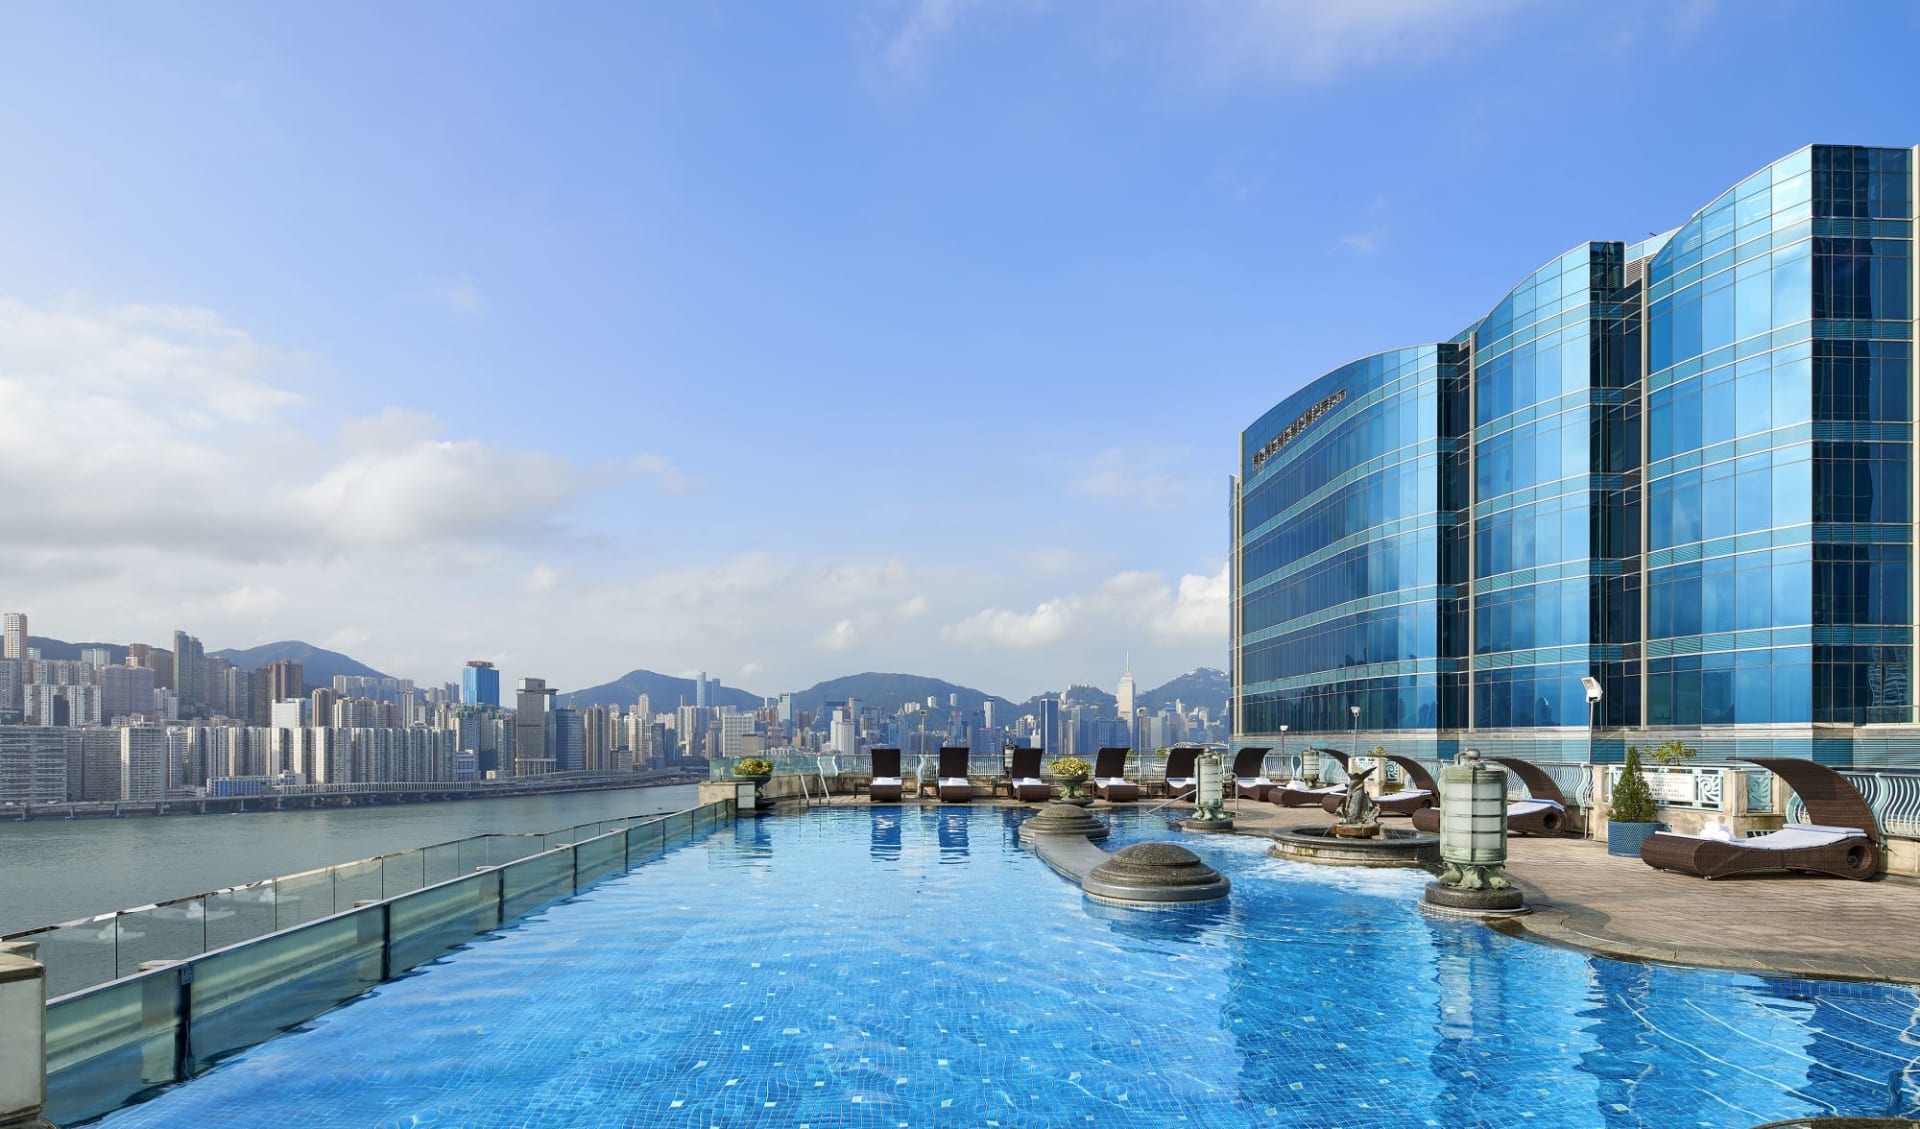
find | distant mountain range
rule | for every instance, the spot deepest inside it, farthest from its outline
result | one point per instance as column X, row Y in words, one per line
column 317, row 664
column 664, row 691
column 1204, row 686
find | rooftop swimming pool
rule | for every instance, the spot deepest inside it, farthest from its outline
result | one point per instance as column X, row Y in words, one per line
column 907, row 967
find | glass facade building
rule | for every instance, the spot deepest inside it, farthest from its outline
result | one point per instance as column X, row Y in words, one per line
column 1681, row 467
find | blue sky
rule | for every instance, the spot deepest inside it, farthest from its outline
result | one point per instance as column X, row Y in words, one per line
column 783, row 340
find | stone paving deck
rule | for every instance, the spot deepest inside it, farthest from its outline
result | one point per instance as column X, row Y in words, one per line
column 1794, row 924
column 1583, row 897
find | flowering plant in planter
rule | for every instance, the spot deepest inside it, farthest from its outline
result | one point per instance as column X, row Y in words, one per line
column 753, row 768
column 1072, row 772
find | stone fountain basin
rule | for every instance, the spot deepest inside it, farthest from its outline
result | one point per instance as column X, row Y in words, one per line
column 1393, row 846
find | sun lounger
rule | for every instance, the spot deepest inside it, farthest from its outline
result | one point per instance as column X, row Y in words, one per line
column 1543, row 812
column 954, row 786
column 885, row 787
column 1026, row 785
column 1181, row 777
column 1110, row 776
column 1296, row 793
column 1249, row 773
column 1843, row 841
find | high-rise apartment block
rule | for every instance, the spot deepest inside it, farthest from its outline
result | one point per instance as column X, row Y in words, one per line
column 1669, row 481
column 480, row 684
column 13, row 640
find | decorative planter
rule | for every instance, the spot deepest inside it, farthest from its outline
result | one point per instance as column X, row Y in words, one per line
column 1070, row 787
column 1625, row 839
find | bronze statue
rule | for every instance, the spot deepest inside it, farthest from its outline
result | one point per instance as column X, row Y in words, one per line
column 1359, row 810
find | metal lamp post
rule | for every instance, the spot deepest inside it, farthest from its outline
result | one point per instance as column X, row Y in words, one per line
column 1473, row 838
column 1283, row 749
column 1594, row 694
column 1353, row 738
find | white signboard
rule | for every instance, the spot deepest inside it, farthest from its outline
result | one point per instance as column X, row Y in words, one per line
column 1673, row 787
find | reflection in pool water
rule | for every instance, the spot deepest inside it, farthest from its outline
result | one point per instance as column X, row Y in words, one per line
column 912, row 966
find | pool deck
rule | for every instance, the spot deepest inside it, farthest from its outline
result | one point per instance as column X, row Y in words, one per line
column 1583, row 897
column 1793, row 924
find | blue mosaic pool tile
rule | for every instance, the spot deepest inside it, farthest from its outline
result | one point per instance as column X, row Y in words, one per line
column 901, row 968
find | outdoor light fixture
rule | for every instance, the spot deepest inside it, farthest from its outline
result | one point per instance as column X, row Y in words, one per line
column 1354, row 753
column 1473, row 837
column 1310, row 765
column 1210, row 791
column 1594, row 694
column 1285, row 763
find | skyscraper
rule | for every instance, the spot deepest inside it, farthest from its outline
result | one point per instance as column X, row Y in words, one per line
column 1046, row 726
column 189, row 671
column 15, row 639
column 1123, row 696
column 569, row 733
column 700, row 689
column 532, row 752
column 1677, row 470
column 480, row 684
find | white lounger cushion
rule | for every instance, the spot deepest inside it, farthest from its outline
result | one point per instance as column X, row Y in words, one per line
column 1328, row 790
column 1028, row 782
column 1790, row 838
column 953, row 781
column 1796, row 835
column 1406, row 792
column 1528, row 807
column 887, row 781
column 1104, row 781
column 1252, row 781
column 1181, row 781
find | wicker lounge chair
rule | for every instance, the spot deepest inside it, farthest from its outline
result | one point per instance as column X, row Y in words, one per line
column 885, row 787
column 1249, row 773
column 1543, row 812
column 1181, row 776
column 954, row 786
column 1110, row 776
column 1843, row 840
column 1025, row 783
column 1421, row 792
column 1296, row 794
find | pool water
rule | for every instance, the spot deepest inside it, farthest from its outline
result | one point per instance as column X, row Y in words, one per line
column 904, row 967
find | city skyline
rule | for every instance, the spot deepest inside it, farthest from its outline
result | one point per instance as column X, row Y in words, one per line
column 468, row 341
column 471, row 673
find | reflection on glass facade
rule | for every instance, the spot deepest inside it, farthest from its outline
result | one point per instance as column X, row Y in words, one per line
column 1682, row 467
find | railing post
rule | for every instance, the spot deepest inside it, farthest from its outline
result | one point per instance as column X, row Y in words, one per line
column 183, row 1023
column 23, row 1038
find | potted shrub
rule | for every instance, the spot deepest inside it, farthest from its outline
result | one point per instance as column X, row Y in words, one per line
column 1071, row 772
column 1630, row 819
column 755, row 769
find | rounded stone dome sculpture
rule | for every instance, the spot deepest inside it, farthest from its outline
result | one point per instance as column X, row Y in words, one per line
column 1155, row 872
column 1064, row 819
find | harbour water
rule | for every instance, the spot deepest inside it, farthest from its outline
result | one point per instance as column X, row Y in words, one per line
column 54, row 870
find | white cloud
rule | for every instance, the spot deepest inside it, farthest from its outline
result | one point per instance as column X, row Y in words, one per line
column 159, row 468
column 542, row 579
column 457, row 294
column 1194, row 609
column 1155, row 480
column 1362, row 241
column 840, row 637
column 667, row 478
column 1216, row 41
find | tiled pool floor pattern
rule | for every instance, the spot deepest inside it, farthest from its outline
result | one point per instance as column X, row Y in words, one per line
column 894, row 967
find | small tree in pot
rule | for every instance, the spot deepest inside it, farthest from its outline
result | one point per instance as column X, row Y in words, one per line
column 1630, row 821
